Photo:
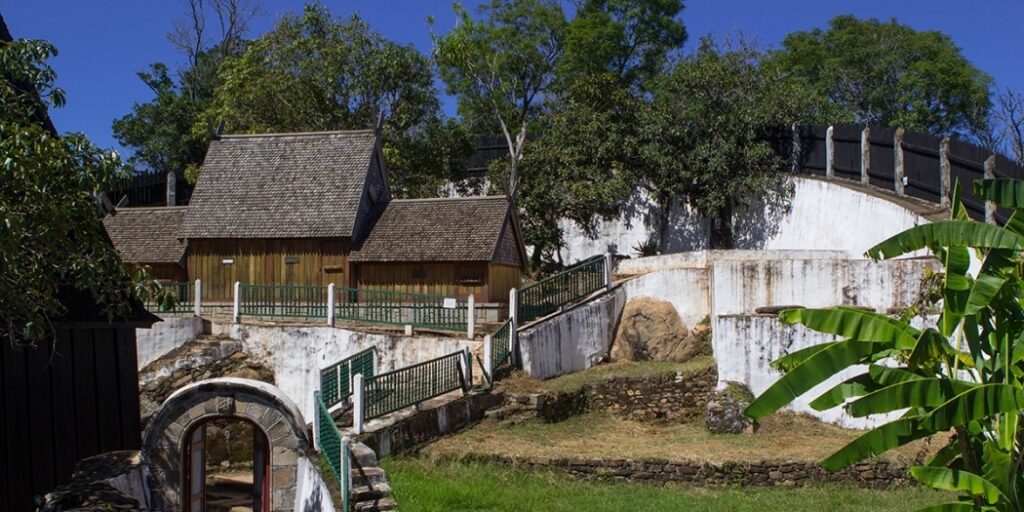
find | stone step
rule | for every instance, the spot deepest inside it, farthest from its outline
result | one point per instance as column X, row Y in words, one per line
column 368, row 476
column 368, row 493
column 363, row 455
column 375, row 505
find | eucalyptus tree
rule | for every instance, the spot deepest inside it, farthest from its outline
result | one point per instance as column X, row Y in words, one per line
column 963, row 375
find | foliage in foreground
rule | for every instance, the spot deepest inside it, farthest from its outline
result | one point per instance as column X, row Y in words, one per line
column 964, row 375
column 423, row 485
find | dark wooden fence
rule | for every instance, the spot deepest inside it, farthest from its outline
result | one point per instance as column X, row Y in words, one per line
column 62, row 403
column 914, row 164
column 150, row 189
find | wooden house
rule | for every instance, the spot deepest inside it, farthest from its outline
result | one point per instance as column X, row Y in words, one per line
column 452, row 247
column 291, row 208
column 149, row 236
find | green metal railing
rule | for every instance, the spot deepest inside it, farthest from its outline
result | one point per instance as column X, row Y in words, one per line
column 336, row 380
column 183, row 295
column 500, row 351
column 394, row 390
column 298, row 301
column 549, row 294
column 398, row 308
column 334, row 448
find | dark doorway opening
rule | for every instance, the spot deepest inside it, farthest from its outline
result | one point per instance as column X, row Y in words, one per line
column 226, row 467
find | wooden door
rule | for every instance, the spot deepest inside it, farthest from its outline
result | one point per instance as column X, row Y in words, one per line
column 260, row 470
column 197, row 470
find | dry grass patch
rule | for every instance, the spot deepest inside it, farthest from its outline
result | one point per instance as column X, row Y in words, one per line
column 521, row 383
column 782, row 437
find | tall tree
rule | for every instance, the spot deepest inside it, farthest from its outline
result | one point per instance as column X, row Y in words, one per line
column 871, row 72
column 630, row 39
column 315, row 71
column 708, row 135
column 500, row 66
column 52, row 238
column 1009, row 122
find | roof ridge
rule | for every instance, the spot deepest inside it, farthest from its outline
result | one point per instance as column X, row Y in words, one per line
column 150, row 208
column 296, row 134
column 437, row 199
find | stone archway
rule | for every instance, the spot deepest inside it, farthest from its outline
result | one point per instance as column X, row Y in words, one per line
column 163, row 444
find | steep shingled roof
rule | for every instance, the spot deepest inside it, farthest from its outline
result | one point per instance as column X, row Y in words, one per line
column 452, row 229
column 301, row 185
column 147, row 235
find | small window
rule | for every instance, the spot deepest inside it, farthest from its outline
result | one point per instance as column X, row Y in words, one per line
column 469, row 275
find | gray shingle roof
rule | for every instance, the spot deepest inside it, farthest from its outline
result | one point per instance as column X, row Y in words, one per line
column 147, row 235
column 301, row 185
column 455, row 229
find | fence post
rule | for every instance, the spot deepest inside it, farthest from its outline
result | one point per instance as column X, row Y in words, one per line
column 172, row 183
column 316, row 421
column 237, row 311
column 990, row 206
column 513, row 343
column 488, row 355
column 899, row 179
column 197, row 301
column 466, row 362
column 330, row 304
column 944, row 171
column 608, row 270
column 830, row 153
column 865, row 156
column 346, row 469
column 358, row 402
column 470, row 316
column 513, row 296
column 794, row 156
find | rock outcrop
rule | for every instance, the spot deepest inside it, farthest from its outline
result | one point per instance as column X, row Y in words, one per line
column 651, row 330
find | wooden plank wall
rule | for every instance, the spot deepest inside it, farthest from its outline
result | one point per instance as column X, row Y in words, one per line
column 501, row 279
column 446, row 278
column 263, row 262
column 64, row 406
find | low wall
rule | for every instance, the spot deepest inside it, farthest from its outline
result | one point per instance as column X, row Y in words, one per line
column 296, row 354
column 574, row 340
column 873, row 475
column 170, row 333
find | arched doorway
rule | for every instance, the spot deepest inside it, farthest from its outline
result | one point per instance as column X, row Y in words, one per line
column 226, row 467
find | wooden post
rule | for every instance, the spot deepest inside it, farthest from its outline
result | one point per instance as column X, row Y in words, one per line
column 172, row 184
column 944, row 171
column 488, row 355
column 470, row 316
column 899, row 179
column 358, row 394
column 237, row 312
column 330, row 304
column 865, row 156
column 990, row 173
column 794, row 156
column 830, row 153
column 197, row 301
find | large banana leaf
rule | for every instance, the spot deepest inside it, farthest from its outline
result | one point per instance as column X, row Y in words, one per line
column 876, row 442
column 995, row 271
column 813, row 371
column 979, row 402
column 954, row 480
column 855, row 324
column 913, row 393
column 859, row 385
column 949, row 233
column 793, row 359
column 1005, row 192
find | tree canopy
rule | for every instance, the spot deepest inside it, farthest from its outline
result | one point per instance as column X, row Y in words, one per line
column 874, row 72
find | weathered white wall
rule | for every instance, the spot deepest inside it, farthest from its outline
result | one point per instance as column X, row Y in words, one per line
column 574, row 340
column 702, row 259
column 687, row 289
column 297, row 353
column 311, row 493
column 171, row 333
column 820, row 215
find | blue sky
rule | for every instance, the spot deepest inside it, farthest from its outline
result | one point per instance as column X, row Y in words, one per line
column 103, row 43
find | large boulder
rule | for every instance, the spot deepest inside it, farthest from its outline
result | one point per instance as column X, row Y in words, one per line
column 651, row 330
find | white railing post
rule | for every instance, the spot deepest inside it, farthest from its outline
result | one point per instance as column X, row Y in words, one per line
column 944, row 172
column 990, row 173
column 488, row 358
column 900, row 179
column 830, row 153
column 513, row 296
column 466, row 362
column 865, row 156
column 513, row 343
column 237, row 311
column 608, row 270
column 197, row 301
column 316, row 418
column 357, row 403
column 330, row 304
column 470, row 316
column 346, row 468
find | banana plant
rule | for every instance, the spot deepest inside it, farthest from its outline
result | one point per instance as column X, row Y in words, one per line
column 961, row 379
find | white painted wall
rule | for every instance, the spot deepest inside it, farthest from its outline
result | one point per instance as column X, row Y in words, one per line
column 297, row 353
column 820, row 215
column 164, row 336
column 688, row 289
column 574, row 340
column 311, row 493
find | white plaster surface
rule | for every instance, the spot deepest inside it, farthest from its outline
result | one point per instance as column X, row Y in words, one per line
column 173, row 332
column 311, row 493
column 687, row 289
column 574, row 340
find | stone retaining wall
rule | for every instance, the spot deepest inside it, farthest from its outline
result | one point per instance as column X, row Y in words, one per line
column 873, row 475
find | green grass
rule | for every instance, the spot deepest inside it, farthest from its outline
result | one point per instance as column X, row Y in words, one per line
column 523, row 384
column 421, row 486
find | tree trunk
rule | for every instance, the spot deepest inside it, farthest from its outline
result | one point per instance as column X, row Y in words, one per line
column 721, row 229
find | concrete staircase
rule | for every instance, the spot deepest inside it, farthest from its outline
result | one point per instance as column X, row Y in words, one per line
column 370, row 489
